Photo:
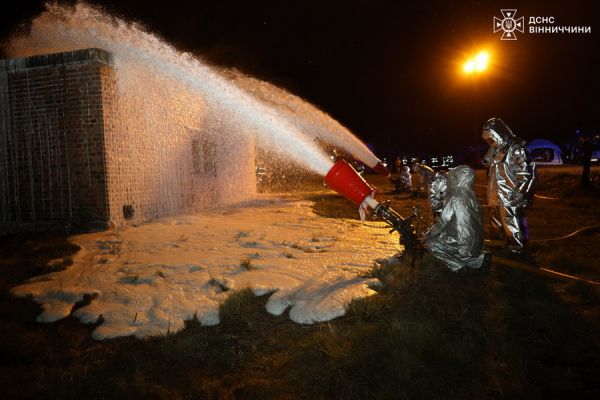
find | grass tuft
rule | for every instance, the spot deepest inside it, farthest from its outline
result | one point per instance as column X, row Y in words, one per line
column 243, row 234
column 247, row 263
column 240, row 309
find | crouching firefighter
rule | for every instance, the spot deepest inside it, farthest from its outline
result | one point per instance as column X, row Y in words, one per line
column 456, row 237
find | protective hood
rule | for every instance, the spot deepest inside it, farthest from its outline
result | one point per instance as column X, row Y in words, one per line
column 425, row 172
column 437, row 191
column 456, row 237
column 422, row 169
column 461, row 176
column 496, row 132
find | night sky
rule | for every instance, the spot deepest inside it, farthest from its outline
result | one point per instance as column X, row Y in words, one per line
column 391, row 71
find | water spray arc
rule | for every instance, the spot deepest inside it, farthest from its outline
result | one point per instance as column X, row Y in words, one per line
column 164, row 116
column 282, row 121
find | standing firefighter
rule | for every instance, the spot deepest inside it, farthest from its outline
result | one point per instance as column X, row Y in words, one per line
column 512, row 181
column 456, row 237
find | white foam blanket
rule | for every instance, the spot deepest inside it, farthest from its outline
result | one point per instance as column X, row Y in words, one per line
column 147, row 280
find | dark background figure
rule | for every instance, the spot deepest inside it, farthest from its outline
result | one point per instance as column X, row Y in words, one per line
column 398, row 164
column 426, row 176
column 586, row 144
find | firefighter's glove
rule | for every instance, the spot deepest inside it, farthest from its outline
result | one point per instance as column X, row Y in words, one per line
column 517, row 198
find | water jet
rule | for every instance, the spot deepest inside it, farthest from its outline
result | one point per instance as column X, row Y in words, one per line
column 103, row 121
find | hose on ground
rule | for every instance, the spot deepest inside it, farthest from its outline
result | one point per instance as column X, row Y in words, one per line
column 545, row 272
column 589, row 228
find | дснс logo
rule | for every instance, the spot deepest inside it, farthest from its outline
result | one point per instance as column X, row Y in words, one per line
column 509, row 24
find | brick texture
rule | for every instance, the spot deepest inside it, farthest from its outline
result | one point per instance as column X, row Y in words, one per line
column 84, row 140
column 51, row 138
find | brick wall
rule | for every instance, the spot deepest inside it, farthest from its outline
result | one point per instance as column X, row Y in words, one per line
column 148, row 147
column 51, row 137
column 86, row 138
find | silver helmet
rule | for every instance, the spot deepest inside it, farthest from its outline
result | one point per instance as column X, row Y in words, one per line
column 496, row 132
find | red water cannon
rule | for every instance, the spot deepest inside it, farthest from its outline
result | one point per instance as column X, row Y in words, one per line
column 382, row 170
column 346, row 181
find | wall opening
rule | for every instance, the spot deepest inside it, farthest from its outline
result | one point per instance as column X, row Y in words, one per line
column 204, row 157
column 128, row 211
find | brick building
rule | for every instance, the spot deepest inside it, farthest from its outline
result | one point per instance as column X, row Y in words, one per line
column 84, row 140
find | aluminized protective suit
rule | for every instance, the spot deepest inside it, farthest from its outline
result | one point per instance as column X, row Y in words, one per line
column 437, row 192
column 426, row 175
column 456, row 237
column 512, row 181
column 404, row 182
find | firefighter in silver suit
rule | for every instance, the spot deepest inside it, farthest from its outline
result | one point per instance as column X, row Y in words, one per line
column 456, row 237
column 404, row 181
column 512, row 181
column 426, row 175
column 437, row 193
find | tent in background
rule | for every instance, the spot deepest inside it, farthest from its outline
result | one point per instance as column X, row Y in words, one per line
column 545, row 152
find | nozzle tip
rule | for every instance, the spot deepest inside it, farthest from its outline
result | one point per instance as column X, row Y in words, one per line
column 382, row 170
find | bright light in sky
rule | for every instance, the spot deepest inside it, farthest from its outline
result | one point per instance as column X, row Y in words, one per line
column 469, row 66
column 479, row 63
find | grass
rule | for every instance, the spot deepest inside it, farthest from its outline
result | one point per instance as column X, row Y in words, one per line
column 131, row 278
column 304, row 248
column 60, row 264
column 243, row 234
column 427, row 333
column 246, row 263
column 334, row 206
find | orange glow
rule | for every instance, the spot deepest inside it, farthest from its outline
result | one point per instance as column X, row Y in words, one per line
column 469, row 66
column 479, row 63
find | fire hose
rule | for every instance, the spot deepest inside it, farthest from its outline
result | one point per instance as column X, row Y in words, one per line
column 543, row 271
column 589, row 228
